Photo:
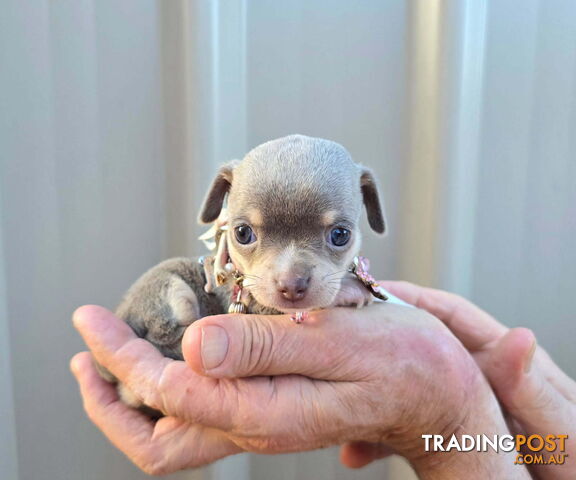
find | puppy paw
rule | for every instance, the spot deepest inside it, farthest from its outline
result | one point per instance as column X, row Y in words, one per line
column 182, row 301
column 161, row 304
column 352, row 293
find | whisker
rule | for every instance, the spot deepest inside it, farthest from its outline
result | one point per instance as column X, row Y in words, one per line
column 247, row 275
column 333, row 273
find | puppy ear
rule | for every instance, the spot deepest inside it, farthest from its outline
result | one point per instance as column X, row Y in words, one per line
column 371, row 198
column 214, row 200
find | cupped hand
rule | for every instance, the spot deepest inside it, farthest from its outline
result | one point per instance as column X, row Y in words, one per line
column 156, row 447
column 385, row 374
column 538, row 396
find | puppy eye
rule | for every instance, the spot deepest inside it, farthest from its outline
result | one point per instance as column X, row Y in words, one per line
column 244, row 234
column 339, row 236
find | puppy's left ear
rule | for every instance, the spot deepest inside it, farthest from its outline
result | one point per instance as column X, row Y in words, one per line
column 214, row 200
column 371, row 197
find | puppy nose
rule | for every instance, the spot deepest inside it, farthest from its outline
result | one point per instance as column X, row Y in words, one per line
column 293, row 288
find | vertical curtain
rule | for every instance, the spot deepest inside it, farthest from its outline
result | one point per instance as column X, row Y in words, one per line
column 83, row 185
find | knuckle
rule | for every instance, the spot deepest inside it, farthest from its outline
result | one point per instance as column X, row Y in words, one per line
column 542, row 401
column 265, row 445
column 129, row 352
column 146, row 384
column 152, row 461
column 156, row 395
column 154, row 468
column 259, row 340
column 166, row 379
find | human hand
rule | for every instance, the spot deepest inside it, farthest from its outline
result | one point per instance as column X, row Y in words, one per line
column 540, row 398
column 384, row 374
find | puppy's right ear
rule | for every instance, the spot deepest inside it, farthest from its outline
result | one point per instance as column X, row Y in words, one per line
column 212, row 205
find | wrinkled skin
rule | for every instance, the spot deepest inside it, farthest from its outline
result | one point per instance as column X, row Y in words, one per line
column 538, row 397
column 382, row 375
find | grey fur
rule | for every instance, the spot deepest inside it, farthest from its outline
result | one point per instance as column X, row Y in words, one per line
column 292, row 186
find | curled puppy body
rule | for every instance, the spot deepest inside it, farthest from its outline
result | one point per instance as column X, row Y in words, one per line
column 292, row 231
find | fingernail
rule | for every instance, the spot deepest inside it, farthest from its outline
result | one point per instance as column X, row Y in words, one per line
column 214, row 346
column 530, row 357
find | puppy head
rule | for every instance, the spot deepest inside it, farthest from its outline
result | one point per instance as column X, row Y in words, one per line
column 294, row 205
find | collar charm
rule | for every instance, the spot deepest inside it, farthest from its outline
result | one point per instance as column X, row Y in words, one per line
column 360, row 267
column 237, row 306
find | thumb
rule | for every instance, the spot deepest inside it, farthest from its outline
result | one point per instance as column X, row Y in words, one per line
column 229, row 346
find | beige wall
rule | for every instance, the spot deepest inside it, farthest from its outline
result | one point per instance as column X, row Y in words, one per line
column 114, row 116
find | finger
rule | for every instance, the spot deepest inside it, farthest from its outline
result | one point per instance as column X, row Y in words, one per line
column 128, row 429
column 157, row 448
column 556, row 376
column 133, row 360
column 509, row 358
column 473, row 326
column 521, row 381
column 228, row 346
column 525, row 384
column 161, row 383
column 360, row 454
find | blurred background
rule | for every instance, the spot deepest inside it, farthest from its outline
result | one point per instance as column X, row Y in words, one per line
column 115, row 115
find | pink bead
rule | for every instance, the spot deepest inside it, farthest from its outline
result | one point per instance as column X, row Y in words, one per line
column 299, row 317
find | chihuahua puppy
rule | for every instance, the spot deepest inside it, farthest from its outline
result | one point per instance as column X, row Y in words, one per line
column 293, row 209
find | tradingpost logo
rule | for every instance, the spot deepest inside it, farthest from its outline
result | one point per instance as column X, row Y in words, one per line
column 532, row 449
